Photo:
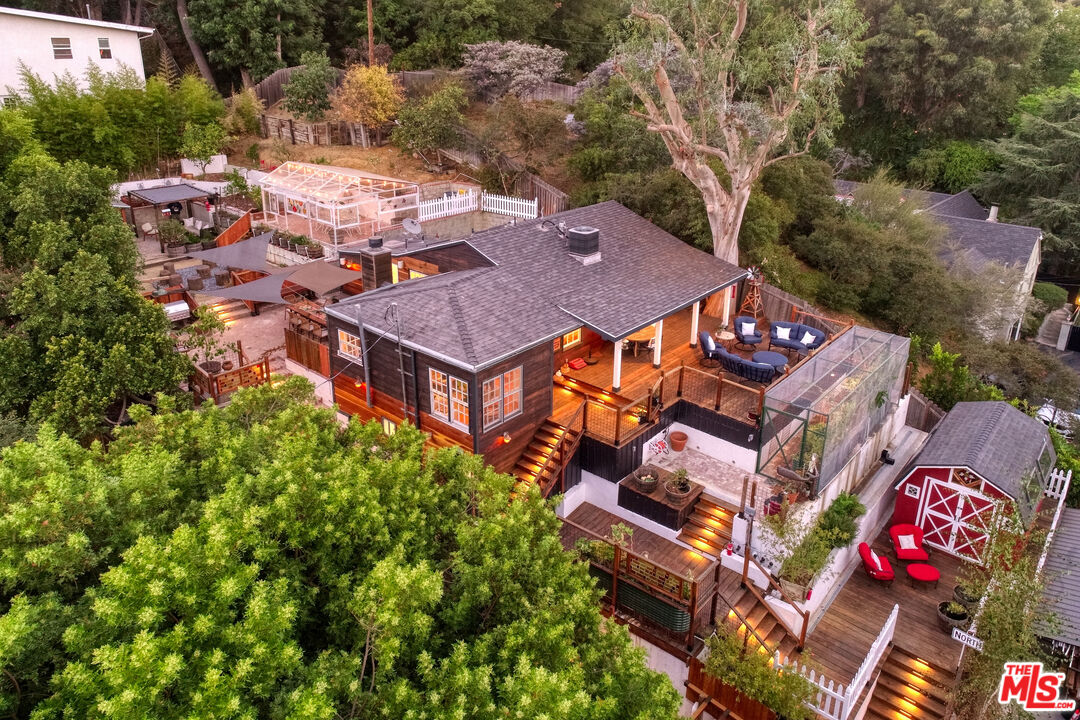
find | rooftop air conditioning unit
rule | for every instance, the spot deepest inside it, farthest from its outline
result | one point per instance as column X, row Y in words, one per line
column 583, row 244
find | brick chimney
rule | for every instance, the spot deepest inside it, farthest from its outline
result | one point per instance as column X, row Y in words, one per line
column 375, row 264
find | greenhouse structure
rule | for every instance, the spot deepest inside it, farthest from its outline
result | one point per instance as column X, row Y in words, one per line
column 814, row 420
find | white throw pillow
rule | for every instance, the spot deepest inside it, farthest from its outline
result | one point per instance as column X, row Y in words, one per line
column 807, row 339
column 748, row 328
column 907, row 542
column 709, row 344
column 783, row 333
column 875, row 560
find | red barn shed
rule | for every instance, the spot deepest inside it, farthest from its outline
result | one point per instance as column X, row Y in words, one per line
column 980, row 453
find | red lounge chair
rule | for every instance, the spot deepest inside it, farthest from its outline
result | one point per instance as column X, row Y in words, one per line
column 876, row 566
column 912, row 536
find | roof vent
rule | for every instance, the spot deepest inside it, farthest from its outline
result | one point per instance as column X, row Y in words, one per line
column 583, row 243
column 375, row 242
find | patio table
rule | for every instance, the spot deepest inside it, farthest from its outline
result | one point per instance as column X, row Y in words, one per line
column 641, row 337
column 777, row 360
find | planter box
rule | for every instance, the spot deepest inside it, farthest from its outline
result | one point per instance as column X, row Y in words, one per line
column 654, row 504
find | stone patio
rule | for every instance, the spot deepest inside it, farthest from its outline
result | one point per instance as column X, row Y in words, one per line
column 722, row 479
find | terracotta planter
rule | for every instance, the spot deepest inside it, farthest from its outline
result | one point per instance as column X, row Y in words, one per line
column 678, row 440
column 227, row 365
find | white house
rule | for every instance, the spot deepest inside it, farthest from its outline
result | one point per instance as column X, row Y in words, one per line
column 51, row 45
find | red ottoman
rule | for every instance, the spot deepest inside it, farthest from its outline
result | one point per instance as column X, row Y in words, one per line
column 924, row 573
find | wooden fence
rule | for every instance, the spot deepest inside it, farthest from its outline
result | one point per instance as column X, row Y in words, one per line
column 559, row 92
column 922, row 413
column 220, row 386
column 551, row 199
column 236, row 231
column 271, row 89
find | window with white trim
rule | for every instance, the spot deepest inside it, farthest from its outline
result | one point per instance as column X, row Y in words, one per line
column 571, row 338
column 502, row 397
column 103, row 48
column 61, row 49
column 449, row 398
column 349, row 346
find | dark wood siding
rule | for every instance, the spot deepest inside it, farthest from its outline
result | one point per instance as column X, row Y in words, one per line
column 448, row 258
column 589, row 341
column 536, row 405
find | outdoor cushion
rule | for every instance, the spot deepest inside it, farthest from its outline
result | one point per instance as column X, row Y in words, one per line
column 915, row 554
column 748, row 328
column 807, row 339
column 875, row 560
column 783, row 333
column 875, row 565
column 710, row 344
column 738, row 365
column 907, row 542
column 795, row 336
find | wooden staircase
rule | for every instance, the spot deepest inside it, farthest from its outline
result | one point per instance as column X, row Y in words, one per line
column 545, row 458
column 766, row 632
column 708, row 529
column 909, row 688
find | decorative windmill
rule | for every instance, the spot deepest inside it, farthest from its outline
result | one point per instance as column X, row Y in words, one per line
column 751, row 304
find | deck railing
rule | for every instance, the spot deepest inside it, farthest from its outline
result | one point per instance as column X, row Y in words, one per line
column 679, row 599
column 220, row 385
column 873, row 657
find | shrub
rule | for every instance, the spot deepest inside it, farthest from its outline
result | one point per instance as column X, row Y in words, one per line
column 244, row 111
column 786, row 693
column 1053, row 295
column 839, row 519
column 430, row 123
column 498, row 68
column 308, row 92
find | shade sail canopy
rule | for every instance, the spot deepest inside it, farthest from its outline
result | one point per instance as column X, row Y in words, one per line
column 265, row 289
column 321, row 277
column 166, row 194
column 247, row 254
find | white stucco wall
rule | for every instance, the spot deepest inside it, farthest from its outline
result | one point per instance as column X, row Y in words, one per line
column 29, row 39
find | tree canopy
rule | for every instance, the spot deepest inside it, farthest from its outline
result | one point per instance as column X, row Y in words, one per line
column 368, row 95
column 307, row 93
column 284, row 566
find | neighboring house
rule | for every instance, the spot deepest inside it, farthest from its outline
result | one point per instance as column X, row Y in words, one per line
column 469, row 353
column 1061, row 596
column 980, row 453
column 1008, row 255
column 51, row 45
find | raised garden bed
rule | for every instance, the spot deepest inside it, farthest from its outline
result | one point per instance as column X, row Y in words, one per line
column 655, row 504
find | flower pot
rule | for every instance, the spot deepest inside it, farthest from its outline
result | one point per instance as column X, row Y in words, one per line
column 227, row 365
column 193, row 247
column 675, row 494
column 209, row 244
column 964, row 599
column 678, row 440
column 212, row 367
column 947, row 621
column 646, row 481
column 174, row 250
column 794, row 590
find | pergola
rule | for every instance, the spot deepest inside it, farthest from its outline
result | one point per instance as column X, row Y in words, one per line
column 338, row 200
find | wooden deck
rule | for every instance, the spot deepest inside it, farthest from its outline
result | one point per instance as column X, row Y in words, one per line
column 843, row 636
column 671, row 556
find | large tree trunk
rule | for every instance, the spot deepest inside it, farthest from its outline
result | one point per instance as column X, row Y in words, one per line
column 125, row 12
column 370, row 34
column 139, row 6
column 245, row 77
column 196, row 51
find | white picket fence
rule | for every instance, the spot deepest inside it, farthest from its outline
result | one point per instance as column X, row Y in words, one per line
column 1058, row 484
column 512, row 206
column 447, row 206
column 833, row 701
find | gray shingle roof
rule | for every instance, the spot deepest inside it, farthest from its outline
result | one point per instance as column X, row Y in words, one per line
column 537, row 290
column 998, row 442
column 1061, row 596
column 169, row 193
column 969, row 235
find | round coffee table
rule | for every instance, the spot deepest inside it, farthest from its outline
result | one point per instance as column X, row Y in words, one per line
column 769, row 357
column 921, row 572
column 725, row 338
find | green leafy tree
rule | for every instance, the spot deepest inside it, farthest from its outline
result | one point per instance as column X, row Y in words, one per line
column 953, row 167
column 740, row 85
column 308, row 92
column 1060, row 56
column 200, row 143
column 1036, row 183
column 952, row 67
column 948, row 382
column 253, row 37
column 430, row 123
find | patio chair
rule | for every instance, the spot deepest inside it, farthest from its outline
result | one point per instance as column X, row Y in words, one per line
column 907, row 542
column 743, row 324
column 710, row 357
column 876, row 566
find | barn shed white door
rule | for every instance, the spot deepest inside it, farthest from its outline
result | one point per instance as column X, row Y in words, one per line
column 955, row 519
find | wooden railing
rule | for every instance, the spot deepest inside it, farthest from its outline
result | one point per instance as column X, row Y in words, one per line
column 1057, row 486
column 236, row 231
column 805, row 614
column 552, row 473
column 680, row 593
column 222, row 384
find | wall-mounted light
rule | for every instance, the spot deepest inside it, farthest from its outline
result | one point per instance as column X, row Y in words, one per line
column 505, row 438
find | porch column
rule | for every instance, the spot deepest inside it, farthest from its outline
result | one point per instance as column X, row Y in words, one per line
column 658, row 333
column 616, row 369
column 726, row 318
column 695, row 310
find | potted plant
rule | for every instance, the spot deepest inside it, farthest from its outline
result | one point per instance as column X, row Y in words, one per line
column 677, row 489
column 678, row 440
column 802, row 566
column 204, row 337
column 209, row 243
column 173, row 234
column 963, row 595
column 192, row 243
column 646, row 479
column 642, row 415
column 952, row 614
